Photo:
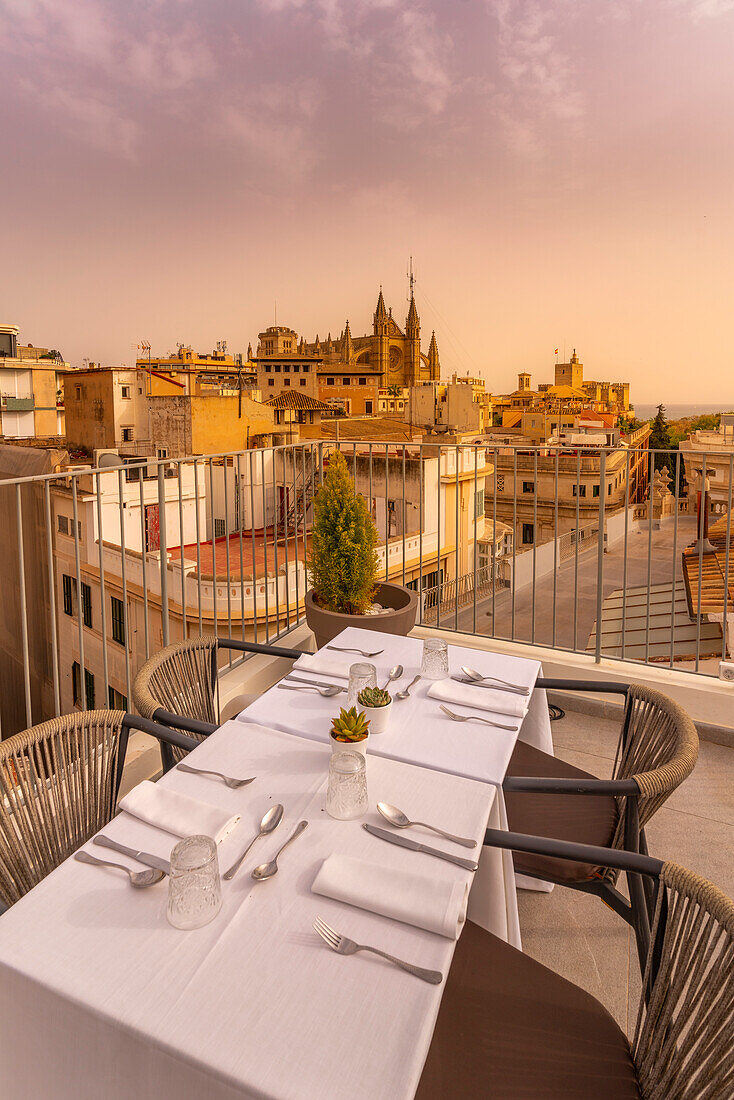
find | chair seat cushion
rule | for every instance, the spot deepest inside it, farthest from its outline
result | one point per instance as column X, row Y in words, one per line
column 583, row 818
column 510, row 1029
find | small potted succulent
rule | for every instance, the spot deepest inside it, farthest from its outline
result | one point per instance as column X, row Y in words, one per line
column 349, row 731
column 376, row 703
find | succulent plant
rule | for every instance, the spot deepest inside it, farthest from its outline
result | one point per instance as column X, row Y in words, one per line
column 351, row 726
column 373, row 697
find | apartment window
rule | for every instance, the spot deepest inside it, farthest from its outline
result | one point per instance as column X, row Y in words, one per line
column 127, row 435
column 363, row 381
column 595, row 490
column 67, row 585
column 126, row 391
column 161, row 452
column 286, row 381
column 78, row 392
column 479, row 503
column 118, row 621
column 219, row 529
column 76, row 686
column 302, row 381
column 140, row 390
column 329, row 381
column 527, row 534
column 63, row 525
column 271, row 381
column 296, row 368
column 579, row 490
column 368, row 408
column 86, row 604
column 528, row 486
column 116, row 699
column 305, row 367
column 286, row 368
column 609, row 489
column 267, row 369
column 277, row 370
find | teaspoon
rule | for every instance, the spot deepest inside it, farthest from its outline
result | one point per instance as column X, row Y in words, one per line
column 405, row 693
column 267, row 870
column 138, row 879
column 395, row 673
column 271, row 820
column 397, row 818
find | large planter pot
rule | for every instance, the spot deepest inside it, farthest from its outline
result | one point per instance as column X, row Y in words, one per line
column 400, row 619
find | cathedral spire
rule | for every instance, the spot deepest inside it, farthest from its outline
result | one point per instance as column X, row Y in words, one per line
column 348, row 345
column 413, row 322
column 380, row 311
column 433, row 364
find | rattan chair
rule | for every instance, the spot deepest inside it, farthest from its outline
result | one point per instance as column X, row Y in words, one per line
column 509, row 1028
column 58, row 786
column 178, row 686
column 547, row 797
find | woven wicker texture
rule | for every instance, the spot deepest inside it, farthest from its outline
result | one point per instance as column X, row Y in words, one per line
column 58, row 786
column 660, row 752
column 179, row 679
column 683, row 1045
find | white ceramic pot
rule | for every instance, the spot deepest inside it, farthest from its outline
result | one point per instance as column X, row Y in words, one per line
column 379, row 717
column 349, row 746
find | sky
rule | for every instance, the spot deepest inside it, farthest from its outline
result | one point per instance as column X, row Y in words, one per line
column 561, row 173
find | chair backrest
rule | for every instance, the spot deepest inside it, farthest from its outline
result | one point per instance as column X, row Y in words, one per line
column 658, row 749
column 683, row 1044
column 182, row 680
column 58, row 786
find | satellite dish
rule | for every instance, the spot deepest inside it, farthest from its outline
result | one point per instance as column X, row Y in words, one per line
column 109, row 460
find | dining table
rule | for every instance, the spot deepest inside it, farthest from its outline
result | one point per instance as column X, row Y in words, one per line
column 100, row 997
column 419, row 731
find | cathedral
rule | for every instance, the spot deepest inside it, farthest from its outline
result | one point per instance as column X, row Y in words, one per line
column 388, row 351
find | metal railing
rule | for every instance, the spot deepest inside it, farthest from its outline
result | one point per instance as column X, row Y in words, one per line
column 102, row 567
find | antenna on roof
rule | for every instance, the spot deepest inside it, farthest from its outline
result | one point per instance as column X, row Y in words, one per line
column 410, row 277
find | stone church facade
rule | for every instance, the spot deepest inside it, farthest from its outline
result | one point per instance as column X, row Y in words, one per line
column 358, row 366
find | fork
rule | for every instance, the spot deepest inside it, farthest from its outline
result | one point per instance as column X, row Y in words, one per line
column 475, row 718
column 233, row 784
column 363, row 652
column 344, row 946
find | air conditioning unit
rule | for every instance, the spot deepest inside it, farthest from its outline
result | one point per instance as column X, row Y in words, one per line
column 106, row 459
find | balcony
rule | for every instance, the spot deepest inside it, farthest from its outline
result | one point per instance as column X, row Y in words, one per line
column 8, row 403
column 219, row 545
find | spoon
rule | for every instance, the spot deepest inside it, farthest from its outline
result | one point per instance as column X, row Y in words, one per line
column 271, row 820
column 397, row 818
column 406, row 691
column 138, row 879
column 472, row 674
column 233, row 784
column 395, row 673
column 327, row 691
column 267, row 870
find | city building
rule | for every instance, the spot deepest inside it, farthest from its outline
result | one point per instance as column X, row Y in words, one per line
column 348, row 372
column 293, row 408
column 568, row 393
column 31, row 388
column 163, row 414
column 716, row 449
column 461, row 405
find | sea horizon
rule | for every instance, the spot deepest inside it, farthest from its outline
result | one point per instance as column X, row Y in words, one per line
column 677, row 412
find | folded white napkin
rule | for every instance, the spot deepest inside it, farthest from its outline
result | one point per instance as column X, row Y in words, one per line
column 467, row 695
column 328, row 663
column 401, row 895
column 177, row 813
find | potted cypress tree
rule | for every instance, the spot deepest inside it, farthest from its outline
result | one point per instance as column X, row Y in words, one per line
column 342, row 565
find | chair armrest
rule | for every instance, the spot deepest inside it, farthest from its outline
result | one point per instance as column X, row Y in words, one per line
column 181, row 721
column 579, row 853
column 256, row 647
column 170, row 737
column 550, row 785
column 611, row 688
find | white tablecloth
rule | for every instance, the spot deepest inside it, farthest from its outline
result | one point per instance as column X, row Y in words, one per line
column 100, row 999
column 419, row 733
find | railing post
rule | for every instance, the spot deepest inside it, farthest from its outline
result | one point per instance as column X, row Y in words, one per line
column 600, row 551
column 24, row 610
column 163, row 551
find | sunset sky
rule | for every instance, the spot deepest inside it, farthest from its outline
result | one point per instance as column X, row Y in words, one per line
column 562, row 173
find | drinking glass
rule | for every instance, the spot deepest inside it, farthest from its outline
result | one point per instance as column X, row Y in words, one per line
column 435, row 663
column 194, row 888
column 346, row 794
column 362, row 674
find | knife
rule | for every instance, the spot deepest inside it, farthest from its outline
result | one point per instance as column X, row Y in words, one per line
column 494, row 687
column 314, row 683
column 142, row 857
column 405, row 842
